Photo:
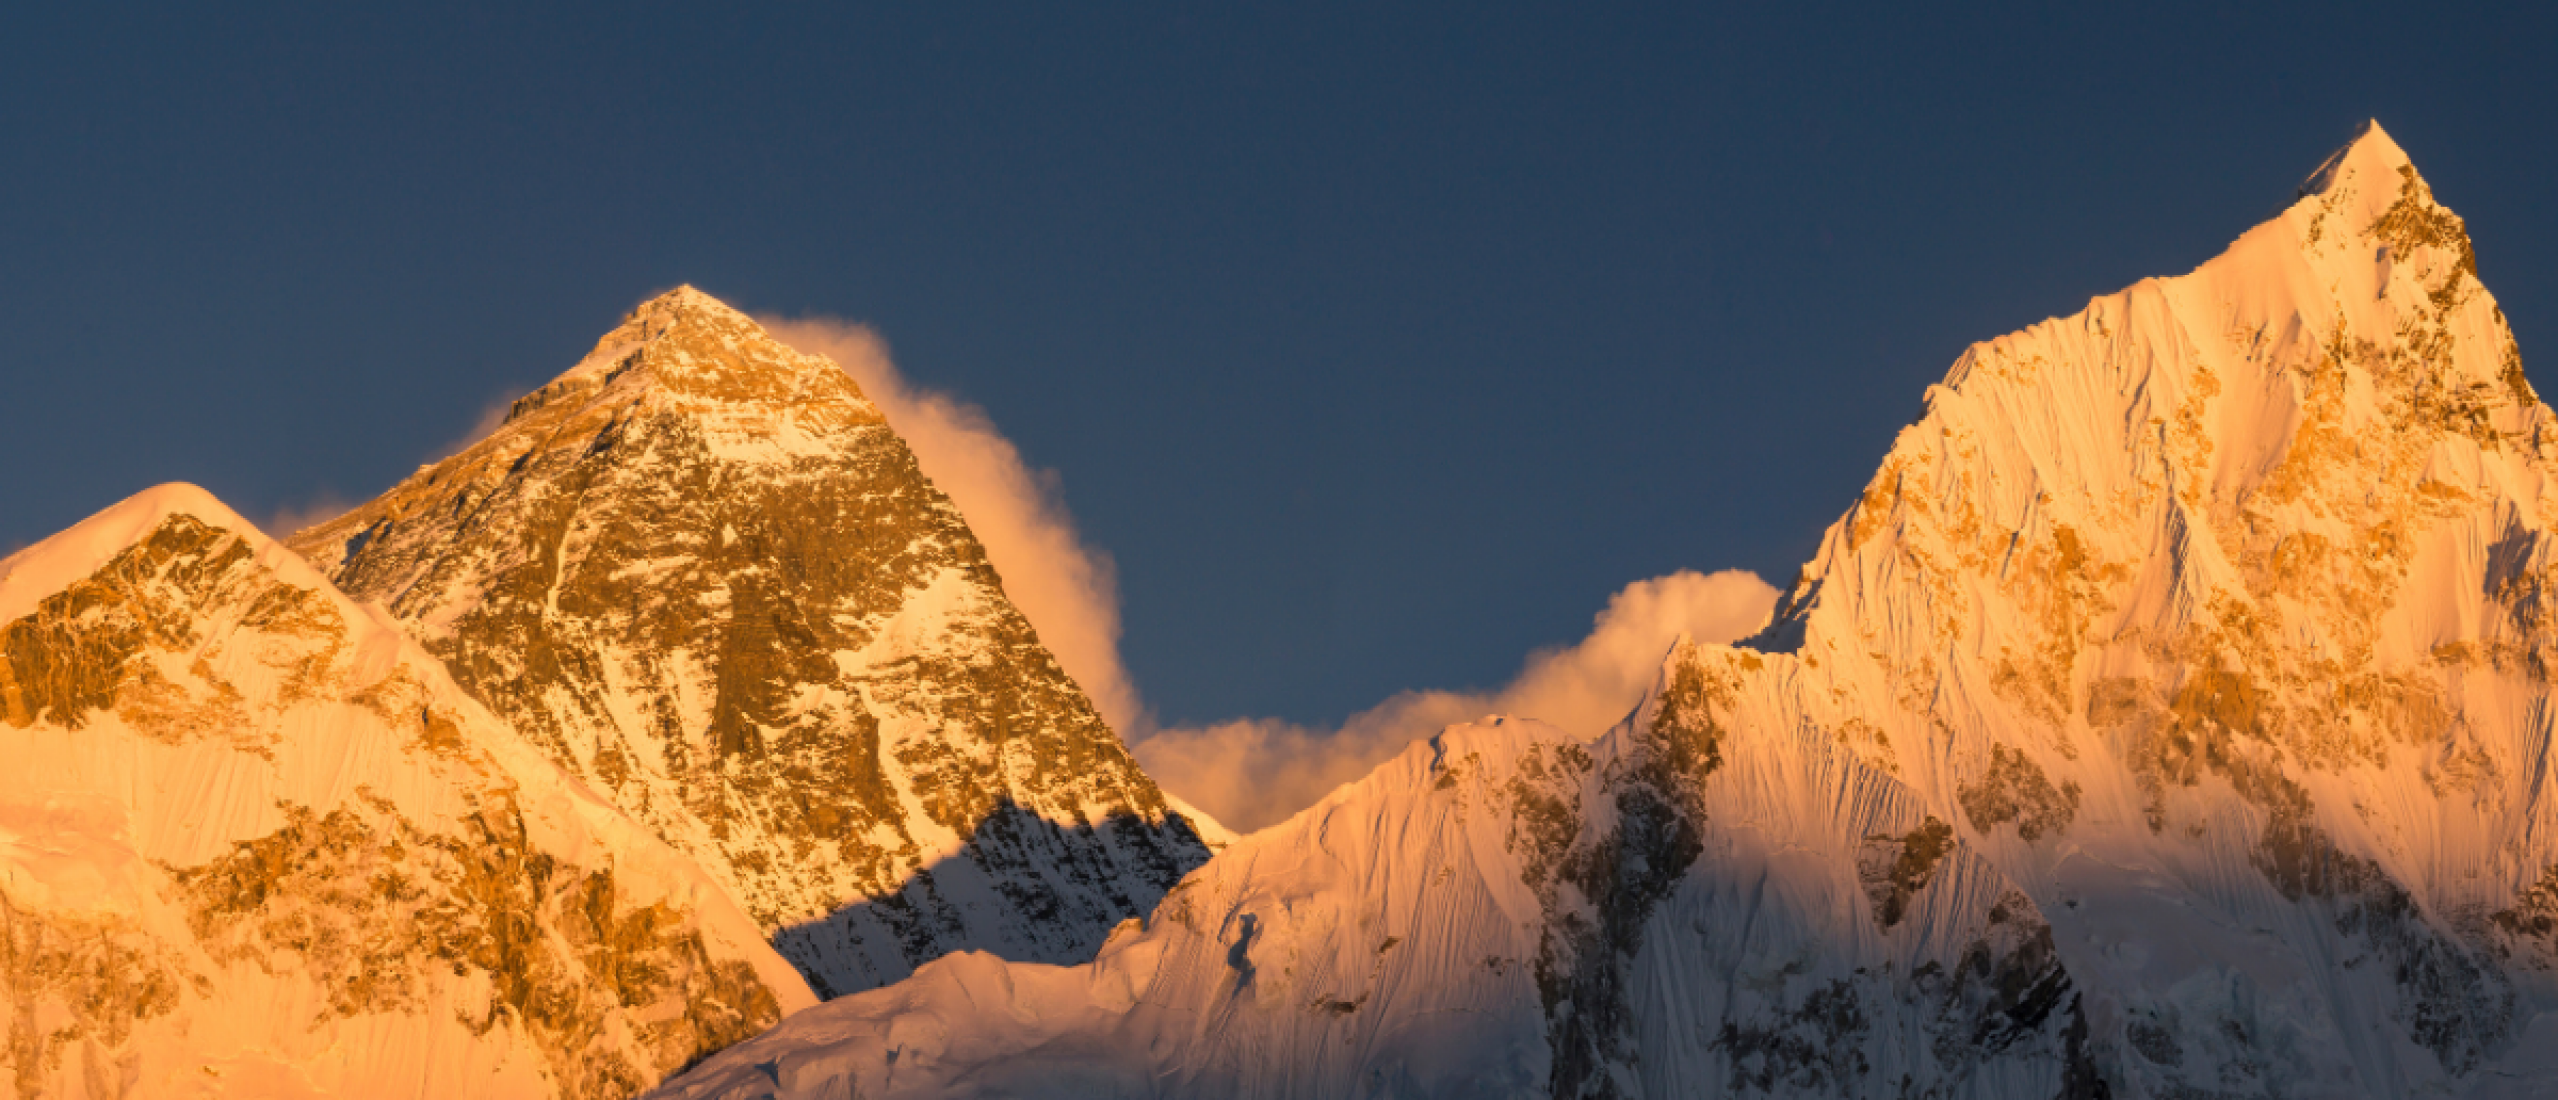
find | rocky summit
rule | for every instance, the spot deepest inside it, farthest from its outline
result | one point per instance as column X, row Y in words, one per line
column 702, row 573
column 2182, row 678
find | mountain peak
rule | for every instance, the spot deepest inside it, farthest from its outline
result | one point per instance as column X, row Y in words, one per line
column 701, row 572
column 689, row 353
column 710, row 334
column 686, row 301
column 2371, row 155
column 48, row 566
column 226, row 776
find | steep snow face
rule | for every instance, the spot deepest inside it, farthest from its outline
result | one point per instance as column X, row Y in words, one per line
column 255, row 843
column 2220, row 616
column 1507, row 911
column 703, row 574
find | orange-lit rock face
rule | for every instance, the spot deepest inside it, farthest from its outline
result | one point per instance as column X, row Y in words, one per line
column 250, row 835
column 701, row 572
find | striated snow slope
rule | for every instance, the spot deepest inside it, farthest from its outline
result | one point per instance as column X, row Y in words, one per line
column 703, row 573
column 2212, row 625
column 255, row 843
column 2217, row 615
column 1673, row 909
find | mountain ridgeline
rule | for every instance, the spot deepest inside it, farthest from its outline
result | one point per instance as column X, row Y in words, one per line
column 255, row 843
column 2182, row 677
column 681, row 701
column 703, row 574
column 2170, row 717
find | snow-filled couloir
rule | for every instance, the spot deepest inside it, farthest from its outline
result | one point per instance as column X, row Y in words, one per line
column 702, row 572
column 255, row 843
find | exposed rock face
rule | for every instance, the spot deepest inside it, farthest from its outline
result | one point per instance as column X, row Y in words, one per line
column 2206, row 636
column 1671, row 910
column 254, row 842
column 703, row 574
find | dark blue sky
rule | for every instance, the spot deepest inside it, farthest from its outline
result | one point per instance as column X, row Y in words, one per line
column 1377, row 346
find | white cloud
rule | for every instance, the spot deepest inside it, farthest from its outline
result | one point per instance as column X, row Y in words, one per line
column 1067, row 588
column 1251, row 773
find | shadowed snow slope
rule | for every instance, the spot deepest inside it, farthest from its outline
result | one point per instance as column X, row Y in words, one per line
column 1503, row 910
column 254, row 843
column 2213, row 625
column 702, row 573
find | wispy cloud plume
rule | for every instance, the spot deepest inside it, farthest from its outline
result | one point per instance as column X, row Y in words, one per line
column 1251, row 773
column 311, row 512
column 492, row 417
column 326, row 505
column 1067, row 588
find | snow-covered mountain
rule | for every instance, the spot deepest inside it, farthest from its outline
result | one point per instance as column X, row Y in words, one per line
column 703, row 574
column 255, row 843
column 2170, row 717
column 2215, row 615
column 1675, row 909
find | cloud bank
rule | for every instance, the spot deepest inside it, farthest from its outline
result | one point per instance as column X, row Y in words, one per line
column 1249, row 772
column 1067, row 588
column 1255, row 772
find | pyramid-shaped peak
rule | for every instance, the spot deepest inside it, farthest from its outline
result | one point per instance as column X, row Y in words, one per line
column 686, row 300
column 690, row 339
column 2371, row 155
column 681, row 356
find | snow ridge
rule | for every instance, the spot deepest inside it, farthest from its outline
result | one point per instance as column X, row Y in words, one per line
column 254, row 842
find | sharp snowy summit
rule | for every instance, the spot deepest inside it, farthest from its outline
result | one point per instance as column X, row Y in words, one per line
column 2170, row 717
